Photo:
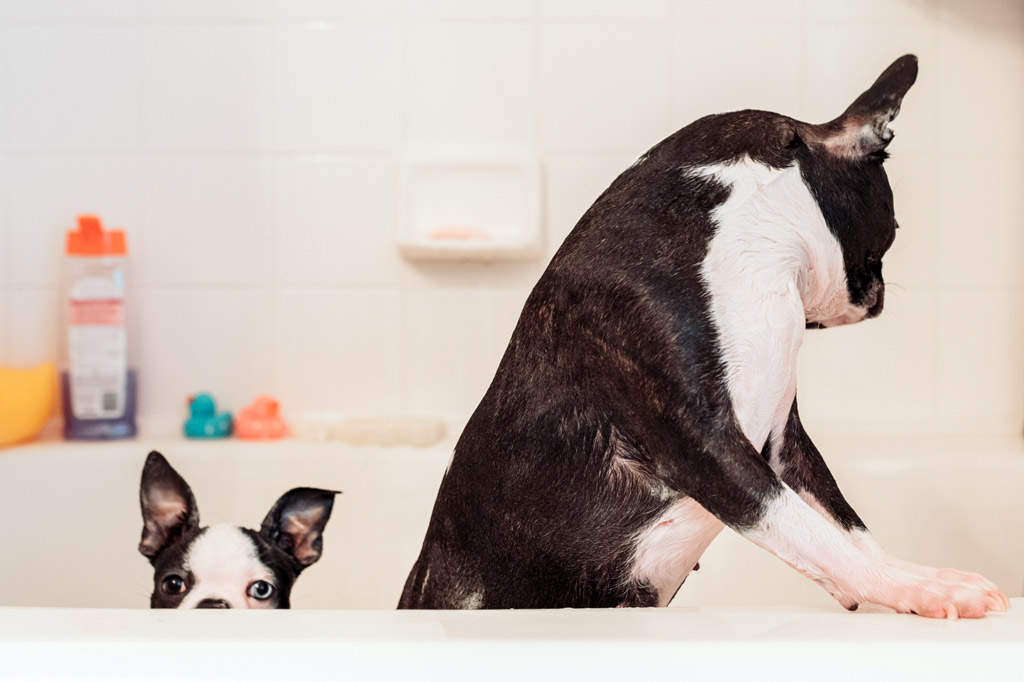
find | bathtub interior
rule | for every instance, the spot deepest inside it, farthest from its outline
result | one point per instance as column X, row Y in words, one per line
column 71, row 519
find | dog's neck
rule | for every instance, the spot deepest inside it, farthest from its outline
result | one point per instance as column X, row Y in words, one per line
column 772, row 265
column 772, row 235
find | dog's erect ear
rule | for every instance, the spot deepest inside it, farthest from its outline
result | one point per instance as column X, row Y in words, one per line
column 168, row 506
column 296, row 523
column 863, row 128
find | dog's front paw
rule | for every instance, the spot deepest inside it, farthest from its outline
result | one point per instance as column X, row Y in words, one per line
column 953, row 595
column 927, row 591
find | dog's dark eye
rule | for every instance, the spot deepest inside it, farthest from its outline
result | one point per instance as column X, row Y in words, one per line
column 261, row 590
column 173, row 584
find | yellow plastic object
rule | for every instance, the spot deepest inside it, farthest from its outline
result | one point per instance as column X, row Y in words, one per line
column 27, row 399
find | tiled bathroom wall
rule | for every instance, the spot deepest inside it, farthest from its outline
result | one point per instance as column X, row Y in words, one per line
column 251, row 149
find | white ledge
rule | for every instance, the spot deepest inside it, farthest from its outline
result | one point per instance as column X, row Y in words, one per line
column 633, row 644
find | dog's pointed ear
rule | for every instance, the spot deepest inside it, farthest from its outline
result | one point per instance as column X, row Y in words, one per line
column 296, row 523
column 863, row 128
column 168, row 506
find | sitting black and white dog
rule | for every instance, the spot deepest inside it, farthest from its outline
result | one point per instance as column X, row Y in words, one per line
column 647, row 397
column 225, row 566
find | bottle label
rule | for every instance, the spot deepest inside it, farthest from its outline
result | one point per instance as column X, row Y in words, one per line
column 98, row 350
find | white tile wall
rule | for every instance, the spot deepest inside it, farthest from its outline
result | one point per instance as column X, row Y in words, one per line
column 487, row 100
column 981, row 206
column 73, row 10
column 447, row 10
column 911, row 259
column 251, row 149
column 48, row 192
column 335, row 221
column 744, row 10
column 32, row 332
column 340, row 350
column 206, row 87
column 4, row 237
column 702, row 85
column 5, row 315
column 979, row 368
column 72, row 87
column 880, row 371
column 604, row 87
column 238, row 10
column 876, row 11
column 604, row 9
column 207, row 220
column 332, row 9
column 448, row 355
column 982, row 62
column 220, row 340
column 325, row 97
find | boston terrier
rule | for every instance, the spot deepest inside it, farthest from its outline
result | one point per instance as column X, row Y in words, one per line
column 647, row 397
column 225, row 566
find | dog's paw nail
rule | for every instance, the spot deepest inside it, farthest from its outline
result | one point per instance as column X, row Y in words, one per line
column 852, row 607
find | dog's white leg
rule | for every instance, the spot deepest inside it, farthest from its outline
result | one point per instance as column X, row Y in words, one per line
column 950, row 576
column 804, row 539
column 759, row 344
column 799, row 464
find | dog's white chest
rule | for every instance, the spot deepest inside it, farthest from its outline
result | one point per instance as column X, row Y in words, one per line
column 772, row 262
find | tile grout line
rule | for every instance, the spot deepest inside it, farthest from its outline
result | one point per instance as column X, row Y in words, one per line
column 404, row 310
column 936, row 363
column 271, row 131
column 5, row 260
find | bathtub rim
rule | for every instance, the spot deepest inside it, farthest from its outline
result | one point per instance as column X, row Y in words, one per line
column 697, row 643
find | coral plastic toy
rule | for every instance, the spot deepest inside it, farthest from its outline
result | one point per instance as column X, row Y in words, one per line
column 261, row 421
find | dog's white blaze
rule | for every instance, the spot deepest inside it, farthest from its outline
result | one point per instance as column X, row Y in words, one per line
column 223, row 562
column 667, row 550
column 772, row 265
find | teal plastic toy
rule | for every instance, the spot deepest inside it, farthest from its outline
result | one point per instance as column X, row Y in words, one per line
column 204, row 421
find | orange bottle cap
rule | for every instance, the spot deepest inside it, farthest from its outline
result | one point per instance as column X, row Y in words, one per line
column 90, row 239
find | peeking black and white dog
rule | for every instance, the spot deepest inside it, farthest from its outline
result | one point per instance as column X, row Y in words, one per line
column 647, row 397
column 225, row 566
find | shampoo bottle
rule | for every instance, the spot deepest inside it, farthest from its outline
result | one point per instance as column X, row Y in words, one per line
column 98, row 380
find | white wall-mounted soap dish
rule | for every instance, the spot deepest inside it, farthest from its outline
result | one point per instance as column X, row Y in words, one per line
column 470, row 208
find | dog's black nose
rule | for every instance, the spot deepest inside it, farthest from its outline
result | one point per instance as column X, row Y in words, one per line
column 213, row 604
column 876, row 308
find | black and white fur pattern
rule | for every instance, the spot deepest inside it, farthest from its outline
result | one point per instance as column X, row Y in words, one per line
column 225, row 566
column 647, row 398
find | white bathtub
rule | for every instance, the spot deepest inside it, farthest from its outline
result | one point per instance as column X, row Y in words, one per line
column 69, row 525
column 69, row 516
